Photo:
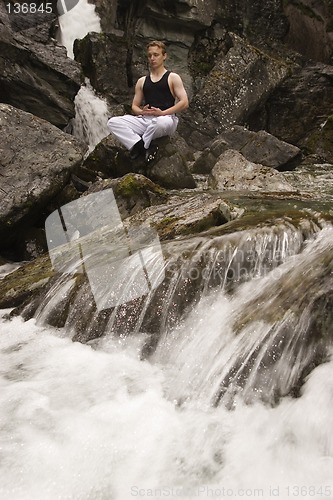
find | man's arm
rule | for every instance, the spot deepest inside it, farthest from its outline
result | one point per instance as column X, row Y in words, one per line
column 178, row 90
column 138, row 97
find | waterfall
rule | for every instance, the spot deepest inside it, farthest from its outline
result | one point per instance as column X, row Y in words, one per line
column 91, row 111
column 211, row 410
column 76, row 23
column 265, row 336
column 263, row 340
column 91, row 116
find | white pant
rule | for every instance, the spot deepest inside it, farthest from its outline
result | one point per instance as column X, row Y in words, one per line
column 130, row 129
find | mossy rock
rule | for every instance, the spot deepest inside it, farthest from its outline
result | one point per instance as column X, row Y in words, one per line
column 23, row 283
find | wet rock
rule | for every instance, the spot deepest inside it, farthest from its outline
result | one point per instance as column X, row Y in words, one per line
column 258, row 147
column 133, row 193
column 298, row 108
column 238, row 83
column 37, row 77
column 192, row 264
column 233, row 171
column 32, row 283
column 24, row 283
column 36, row 163
column 169, row 169
column 184, row 215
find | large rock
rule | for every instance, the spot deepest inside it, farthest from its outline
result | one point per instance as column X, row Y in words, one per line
column 102, row 56
column 36, row 163
column 133, row 193
column 181, row 215
column 177, row 216
column 258, row 147
column 299, row 107
column 234, row 172
column 36, row 77
column 170, row 170
column 310, row 28
column 235, row 87
column 320, row 142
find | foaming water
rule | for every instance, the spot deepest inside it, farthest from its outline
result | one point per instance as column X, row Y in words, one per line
column 76, row 23
column 79, row 422
column 96, row 422
column 252, row 342
column 91, row 116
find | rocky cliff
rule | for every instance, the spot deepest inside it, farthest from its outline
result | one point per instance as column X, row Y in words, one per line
column 250, row 68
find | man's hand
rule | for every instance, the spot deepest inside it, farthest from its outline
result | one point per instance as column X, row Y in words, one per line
column 151, row 111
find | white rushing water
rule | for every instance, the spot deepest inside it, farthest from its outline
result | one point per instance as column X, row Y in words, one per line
column 91, row 116
column 76, row 23
column 91, row 111
column 94, row 422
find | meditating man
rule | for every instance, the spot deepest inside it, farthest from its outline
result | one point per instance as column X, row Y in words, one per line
column 158, row 97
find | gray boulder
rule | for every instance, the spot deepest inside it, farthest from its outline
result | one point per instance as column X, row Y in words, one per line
column 234, row 172
column 170, row 170
column 36, row 163
column 234, row 88
column 299, row 108
column 37, row 77
column 258, row 147
column 133, row 193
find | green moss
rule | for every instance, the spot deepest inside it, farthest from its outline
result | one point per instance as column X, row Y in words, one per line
column 130, row 185
column 15, row 287
column 166, row 227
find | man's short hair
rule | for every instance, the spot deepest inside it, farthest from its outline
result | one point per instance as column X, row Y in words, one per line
column 157, row 43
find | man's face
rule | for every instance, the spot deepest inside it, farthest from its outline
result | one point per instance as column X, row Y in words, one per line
column 156, row 57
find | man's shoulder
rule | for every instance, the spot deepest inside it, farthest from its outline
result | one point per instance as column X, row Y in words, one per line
column 140, row 81
column 174, row 76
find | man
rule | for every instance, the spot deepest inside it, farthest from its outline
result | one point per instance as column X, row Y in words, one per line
column 158, row 97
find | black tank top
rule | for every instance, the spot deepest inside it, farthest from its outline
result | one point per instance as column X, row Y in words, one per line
column 158, row 94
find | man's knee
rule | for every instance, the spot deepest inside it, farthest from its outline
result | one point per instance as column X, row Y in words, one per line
column 113, row 122
column 165, row 126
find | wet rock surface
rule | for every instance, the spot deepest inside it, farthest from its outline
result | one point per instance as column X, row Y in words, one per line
column 233, row 171
column 36, row 164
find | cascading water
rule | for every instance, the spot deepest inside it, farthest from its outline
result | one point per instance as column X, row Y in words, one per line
column 199, row 418
column 76, row 22
column 91, row 112
column 91, row 116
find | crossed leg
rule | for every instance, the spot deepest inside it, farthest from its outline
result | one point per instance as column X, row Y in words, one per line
column 129, row 130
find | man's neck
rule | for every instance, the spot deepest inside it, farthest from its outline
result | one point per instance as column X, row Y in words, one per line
column 157, row 73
